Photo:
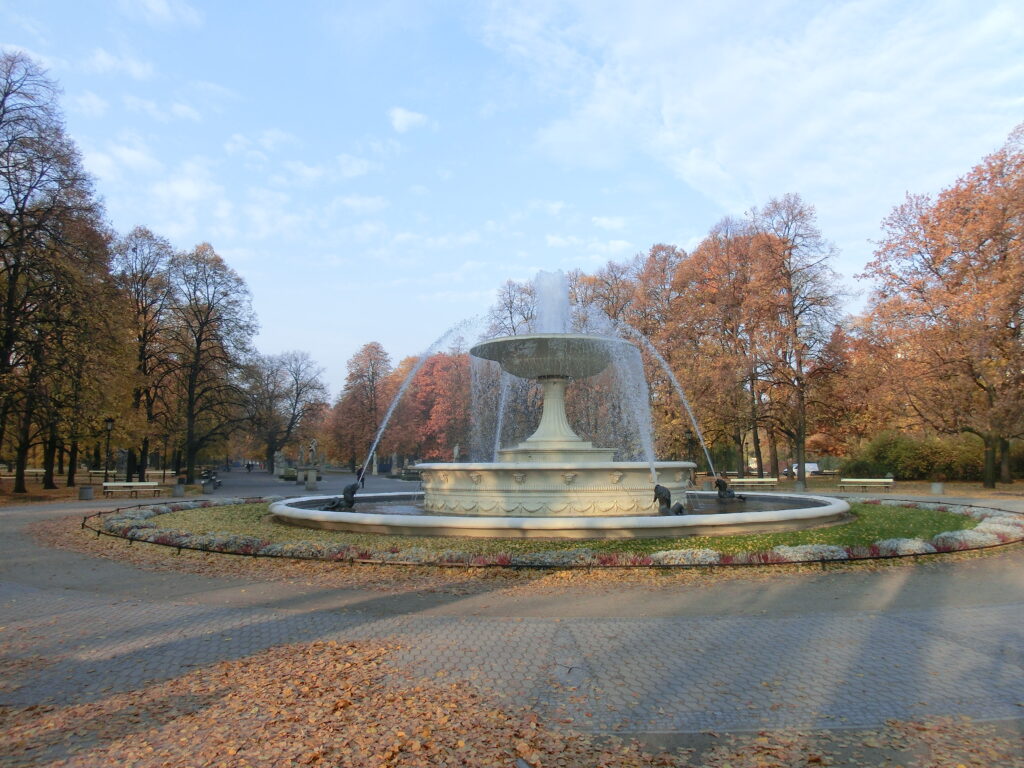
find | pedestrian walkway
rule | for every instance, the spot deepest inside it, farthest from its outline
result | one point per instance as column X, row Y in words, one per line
column 823, row 650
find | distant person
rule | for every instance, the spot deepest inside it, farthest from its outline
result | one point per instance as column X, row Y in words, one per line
column 248, row 466
column 361, row 476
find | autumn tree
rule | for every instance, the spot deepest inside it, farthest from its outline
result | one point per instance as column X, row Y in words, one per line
column 356, row 416
column 950, row 299
column 797, row 299
column 714, row 335
column 50, row 254
column 142, row 262
column 283, row 393
column 211, row 326
column 441, row 397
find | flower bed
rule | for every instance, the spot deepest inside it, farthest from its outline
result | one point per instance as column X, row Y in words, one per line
column 994, row 528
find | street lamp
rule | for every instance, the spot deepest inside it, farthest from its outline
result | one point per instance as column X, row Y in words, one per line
column 108, row 424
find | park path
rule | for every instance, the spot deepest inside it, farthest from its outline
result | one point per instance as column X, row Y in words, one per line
column 831, row 649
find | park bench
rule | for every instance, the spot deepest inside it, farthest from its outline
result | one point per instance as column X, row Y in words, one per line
column 753, row 483
column 865, row 484
column 132, row 488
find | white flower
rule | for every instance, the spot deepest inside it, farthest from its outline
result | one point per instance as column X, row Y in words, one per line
column 904, row 547
column 998, row 525
column 686, row 557
column 806, row 552
column 964, row 540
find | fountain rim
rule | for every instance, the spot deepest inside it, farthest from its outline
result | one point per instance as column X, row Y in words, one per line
column 827, row 508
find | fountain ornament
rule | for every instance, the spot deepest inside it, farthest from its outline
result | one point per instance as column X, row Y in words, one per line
column 555, row 484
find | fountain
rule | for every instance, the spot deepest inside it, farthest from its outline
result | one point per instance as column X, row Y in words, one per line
column 555, row 484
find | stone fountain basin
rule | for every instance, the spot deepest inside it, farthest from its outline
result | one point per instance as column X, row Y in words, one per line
column 567, row 355
column 549, row 488
column 806, row 512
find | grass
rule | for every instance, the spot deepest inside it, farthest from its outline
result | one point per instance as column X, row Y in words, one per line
column 871, row 523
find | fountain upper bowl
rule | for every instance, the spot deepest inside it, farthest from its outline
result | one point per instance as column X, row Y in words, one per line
column 538, row 355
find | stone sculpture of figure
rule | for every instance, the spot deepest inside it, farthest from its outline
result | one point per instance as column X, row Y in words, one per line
column 313, row 452
column 724, row 491
column 347, row 500
column 663, row 496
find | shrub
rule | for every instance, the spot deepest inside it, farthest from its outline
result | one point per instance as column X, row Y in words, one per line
column 918, row 458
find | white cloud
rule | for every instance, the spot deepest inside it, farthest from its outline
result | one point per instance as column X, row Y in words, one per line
column 435, row 242
column 181, row 201
column 611, row 223
column 185, row 112
column 850, row 104
column 302, row 173
column 177, row 110
column 89, row 104
column 273, row 214
column 360, row 204
column 403, row 120
column 104, row 62
column 550, row 207
column 350, row 166
column 163, row 13
column 128, row 154
column 562, row 241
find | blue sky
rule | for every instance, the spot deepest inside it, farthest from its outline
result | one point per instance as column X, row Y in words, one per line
column 375, row 170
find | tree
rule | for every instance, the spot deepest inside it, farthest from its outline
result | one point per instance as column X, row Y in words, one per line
column 718, row 325
column 357, row 415
column 282, row 392
column 950, row 298
column 514, row 309
column 211, row 328
column 142, row 263
column 797, row 299
column 441, row 393
column 52, row 249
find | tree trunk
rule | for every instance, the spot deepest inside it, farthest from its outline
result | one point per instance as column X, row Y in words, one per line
column 758, row 459
column 60, row 458
column 72, row 463
column 96, row 457
column 50, row 457
column 271, row 452
column 737, row 438
column 773, row 453
column 130, row 465
column 989, row 474
column 21, row 456
column 1005, row 473
column 143, row 458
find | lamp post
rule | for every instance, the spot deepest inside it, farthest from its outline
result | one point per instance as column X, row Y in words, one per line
column 108, row 424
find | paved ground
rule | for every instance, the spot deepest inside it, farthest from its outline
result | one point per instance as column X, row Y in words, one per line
column 832, row 649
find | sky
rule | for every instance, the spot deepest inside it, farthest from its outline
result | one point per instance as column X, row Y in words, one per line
column 375, row 171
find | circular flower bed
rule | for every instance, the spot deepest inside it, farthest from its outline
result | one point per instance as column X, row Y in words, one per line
column 995, row 527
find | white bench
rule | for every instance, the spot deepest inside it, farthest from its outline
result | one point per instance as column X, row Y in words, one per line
column 132, row 487
column 865, row 484
column 753, row 483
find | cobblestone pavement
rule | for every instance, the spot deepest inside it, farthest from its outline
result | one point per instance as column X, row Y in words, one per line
column 73, row 629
